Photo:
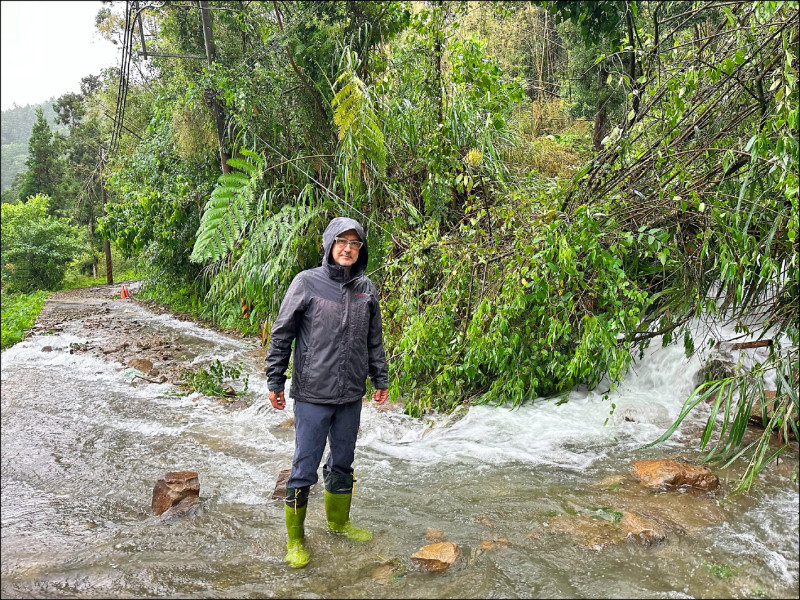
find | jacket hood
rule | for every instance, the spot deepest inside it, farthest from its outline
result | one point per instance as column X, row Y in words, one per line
column 336, row 227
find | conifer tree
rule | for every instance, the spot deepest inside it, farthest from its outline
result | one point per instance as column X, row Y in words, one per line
column 45, row 171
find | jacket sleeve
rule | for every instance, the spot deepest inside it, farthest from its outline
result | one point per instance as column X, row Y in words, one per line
column 284, row 331
column 378, row 372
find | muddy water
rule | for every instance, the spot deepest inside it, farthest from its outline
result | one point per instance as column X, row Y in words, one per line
column 82, row 447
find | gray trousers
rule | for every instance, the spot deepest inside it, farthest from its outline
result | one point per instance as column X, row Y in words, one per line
column 313, row 425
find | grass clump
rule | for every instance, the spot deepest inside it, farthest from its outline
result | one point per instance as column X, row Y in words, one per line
column 19, row 312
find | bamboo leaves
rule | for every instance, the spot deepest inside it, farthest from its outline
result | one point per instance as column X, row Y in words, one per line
column 360, row 136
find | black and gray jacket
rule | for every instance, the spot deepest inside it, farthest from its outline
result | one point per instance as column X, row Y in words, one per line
column 335, row 323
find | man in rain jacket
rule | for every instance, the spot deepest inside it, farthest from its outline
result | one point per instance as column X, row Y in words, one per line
column 332, row 315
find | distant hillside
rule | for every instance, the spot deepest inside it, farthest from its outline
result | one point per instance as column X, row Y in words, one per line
column 17, row 125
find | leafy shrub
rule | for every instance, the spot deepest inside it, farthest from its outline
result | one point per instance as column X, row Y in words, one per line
column 36, row 247
column 211, row 381
column 521, row 306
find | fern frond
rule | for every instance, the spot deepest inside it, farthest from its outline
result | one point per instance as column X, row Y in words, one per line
column 243, row 165
column 224, row 192
column 230, row 210
column 234, row 179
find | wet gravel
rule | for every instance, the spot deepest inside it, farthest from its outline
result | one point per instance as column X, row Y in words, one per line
column 98, row 314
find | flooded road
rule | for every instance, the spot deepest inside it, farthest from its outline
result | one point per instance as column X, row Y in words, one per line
column 83, row 445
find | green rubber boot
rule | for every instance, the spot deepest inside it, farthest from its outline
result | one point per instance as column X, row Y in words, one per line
column 337, row 510
column 296, row 556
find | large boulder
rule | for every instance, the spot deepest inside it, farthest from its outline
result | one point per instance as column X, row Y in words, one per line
column 437, row 557
column 666, row 473
column 172, row 488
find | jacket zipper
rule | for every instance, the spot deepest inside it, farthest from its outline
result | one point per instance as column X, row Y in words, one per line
column 345, row 332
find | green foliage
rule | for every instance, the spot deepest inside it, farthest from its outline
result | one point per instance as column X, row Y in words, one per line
column 482, row 81
column 429, row 158
column 19, row 312
column 283, row 242
column 155, row 205
column 523, row 305
column 733, row 400
column 599, row 22
column 704, row 178
column 228, row 211
column 212, row 381
column 360, row 136
column 525, row 41
column 722, row 571
column 45, row 170
column 36, row 247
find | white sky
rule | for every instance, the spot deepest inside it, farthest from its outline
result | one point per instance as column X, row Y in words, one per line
column 47, row 47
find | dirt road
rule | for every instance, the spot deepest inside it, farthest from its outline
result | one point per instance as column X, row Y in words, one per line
column 114, row 331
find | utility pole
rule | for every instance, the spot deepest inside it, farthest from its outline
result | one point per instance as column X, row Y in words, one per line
column 211, row 55
column 109, row 266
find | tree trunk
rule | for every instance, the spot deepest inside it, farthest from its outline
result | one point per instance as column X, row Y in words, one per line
column 211, row 99
column 90, row 226
column 109, row 266
column 601, row 116
column 632, row 63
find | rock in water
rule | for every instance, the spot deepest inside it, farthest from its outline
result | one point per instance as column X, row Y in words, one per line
column 437, row 557
column 142, row 364
column 434, row 536
column 280, row 484
column 191, row 506
column 715, row 368
column 594, row 533
column 494, row 544
column 671, row 473
column 172, row 488
column 388, row 573
column 647, row 531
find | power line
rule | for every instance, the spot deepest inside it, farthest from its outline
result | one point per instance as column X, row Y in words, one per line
column 125, row 63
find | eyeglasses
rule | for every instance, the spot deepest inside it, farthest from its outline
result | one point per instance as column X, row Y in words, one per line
column 342, row 242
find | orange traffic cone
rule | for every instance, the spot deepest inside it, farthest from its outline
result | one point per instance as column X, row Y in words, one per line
column 124, row 293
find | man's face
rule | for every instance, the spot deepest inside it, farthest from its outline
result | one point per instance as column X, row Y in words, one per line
column 346, row 255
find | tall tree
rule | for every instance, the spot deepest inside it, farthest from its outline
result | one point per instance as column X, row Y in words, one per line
column 82, row 180
column 69, row 109
column 45, row 171
column 213, row 104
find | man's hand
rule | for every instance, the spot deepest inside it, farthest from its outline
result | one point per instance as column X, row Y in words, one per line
column 379, row 397
column 278, row 399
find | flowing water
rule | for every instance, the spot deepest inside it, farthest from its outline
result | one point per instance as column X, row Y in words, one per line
column 82, row 447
